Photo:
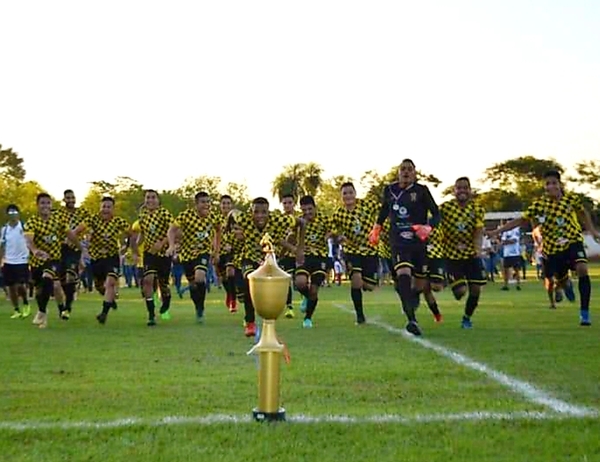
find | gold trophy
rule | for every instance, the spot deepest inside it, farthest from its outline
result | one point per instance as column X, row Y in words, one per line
column 268, row 289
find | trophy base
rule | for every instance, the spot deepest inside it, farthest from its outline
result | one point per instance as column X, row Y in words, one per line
column 260, row 416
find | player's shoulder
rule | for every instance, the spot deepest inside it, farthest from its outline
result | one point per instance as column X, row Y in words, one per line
column 420, row 187
column 448, row 205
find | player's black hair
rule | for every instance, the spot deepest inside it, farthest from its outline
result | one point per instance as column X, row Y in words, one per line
column 552, row 174
column 307, row 200
column 347, row 184
column 42, row 195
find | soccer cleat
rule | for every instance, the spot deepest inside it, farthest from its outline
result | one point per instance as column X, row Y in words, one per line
column 26, row 311
column 558, row 296
column 65, row 315
column 584, row 318
column 101, row 318
column 466, row 323
column 307, row 323
column 43, row 321
column 304, row 305
column 165, row 316
column 37, row 319
column 16, row 315
column 413, row 328
column 569, row 292
column 151, row 322
column 361, row 320
column 250, row 329
column 200, row 316
column 438, row 317
column 289, row 312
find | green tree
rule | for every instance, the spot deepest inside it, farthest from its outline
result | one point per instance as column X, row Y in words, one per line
column 192, row 186
column 127, row 193
column 239, row 195
column 22, row 194
column 522, row 176
column 328, row 198
column 298, row 180
column 588, row 174
column 11, row 165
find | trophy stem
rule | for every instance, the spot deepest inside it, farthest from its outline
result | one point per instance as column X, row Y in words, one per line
column 269, row 361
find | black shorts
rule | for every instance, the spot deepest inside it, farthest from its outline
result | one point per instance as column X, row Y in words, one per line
column 158, row 265
column 314, row 268
column 104, row 267
column 287, row 264
column 413, row 256
column 367, row 265
column 329, row 263
column 15, row 274
column 248, row 266
column 436, row 270
column 201, row 262
column 70, row 259
column 512, row 262
column 559, row 264
column 51, row 267
column 469, row 271
column 225, row 260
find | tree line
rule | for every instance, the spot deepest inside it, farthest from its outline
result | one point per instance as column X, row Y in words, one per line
column 506, row 186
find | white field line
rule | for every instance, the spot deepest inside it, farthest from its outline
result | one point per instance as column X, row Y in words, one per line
column 216, row 419
column 520, row 387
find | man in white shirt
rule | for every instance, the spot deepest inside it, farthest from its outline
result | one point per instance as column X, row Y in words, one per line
column 13, row 248
column 511, row 256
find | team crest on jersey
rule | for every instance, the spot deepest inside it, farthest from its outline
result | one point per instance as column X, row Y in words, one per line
column 461, row 226
column 413, row 197
column 323, row 266
column 560, row 221
column 541, row 219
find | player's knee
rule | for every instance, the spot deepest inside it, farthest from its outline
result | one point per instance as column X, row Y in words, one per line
column 459, row 291
column 200, row 277
column 436, row 286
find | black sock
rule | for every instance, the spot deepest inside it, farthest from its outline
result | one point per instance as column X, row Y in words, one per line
column 61, row 307
column 311, row 306
column 471, row 304
column 415, row 298
column 150, row 307
column 405, row 291
column 166, row 302
column 433, row 307
column 304, row 292
column 46, row 293
column 288, row 302
column 198, row 294
column 69, row 289
column 249, row 315
column 229, row 284
column 357, row 299
column 106, row 306
column 585, row 291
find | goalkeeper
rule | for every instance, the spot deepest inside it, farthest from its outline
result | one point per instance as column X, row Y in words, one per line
column 408, row 206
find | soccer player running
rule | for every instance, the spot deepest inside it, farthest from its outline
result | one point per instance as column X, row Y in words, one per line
column 287, row 259
column 15, row 270
column 225, row 268
column 461, row 225
column 200, row 243
column 45, row 232
column 71, row 251
column 253, row 226
column 408, row 205
column 107, row 232
column 312, row 273
column 352, row 222
column 558, row 213
column 154, row 222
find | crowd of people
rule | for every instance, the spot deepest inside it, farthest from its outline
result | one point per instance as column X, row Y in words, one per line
column 424, row 247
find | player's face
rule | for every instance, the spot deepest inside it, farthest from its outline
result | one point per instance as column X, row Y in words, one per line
column 69, row 199
column 44, row 206
column 308, row 211
column 260, row 214
column 226, row 206
column 288, row 205
column 13, row 216
column 107, row 209
column 151, row 201
column 348, row 195
column 552, row 187
column 462, row 191
column 406, row 173
column 203, row 205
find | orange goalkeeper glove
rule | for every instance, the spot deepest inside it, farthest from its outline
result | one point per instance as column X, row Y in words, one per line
column 422, row 231
column 374, row 235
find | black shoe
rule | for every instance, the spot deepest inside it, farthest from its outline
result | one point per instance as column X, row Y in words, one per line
column 413, row 328
column 151, row 322
column 102, row 318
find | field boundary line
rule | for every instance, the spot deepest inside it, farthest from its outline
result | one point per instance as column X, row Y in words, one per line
column 527, row 390
column 218, row 419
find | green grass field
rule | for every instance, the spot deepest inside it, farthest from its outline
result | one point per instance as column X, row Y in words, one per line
column 523, row 385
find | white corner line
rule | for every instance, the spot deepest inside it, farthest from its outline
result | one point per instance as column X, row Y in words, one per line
column 222, row 419
column 520, row 387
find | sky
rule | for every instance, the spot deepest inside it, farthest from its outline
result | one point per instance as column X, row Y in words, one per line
column 162, row 91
